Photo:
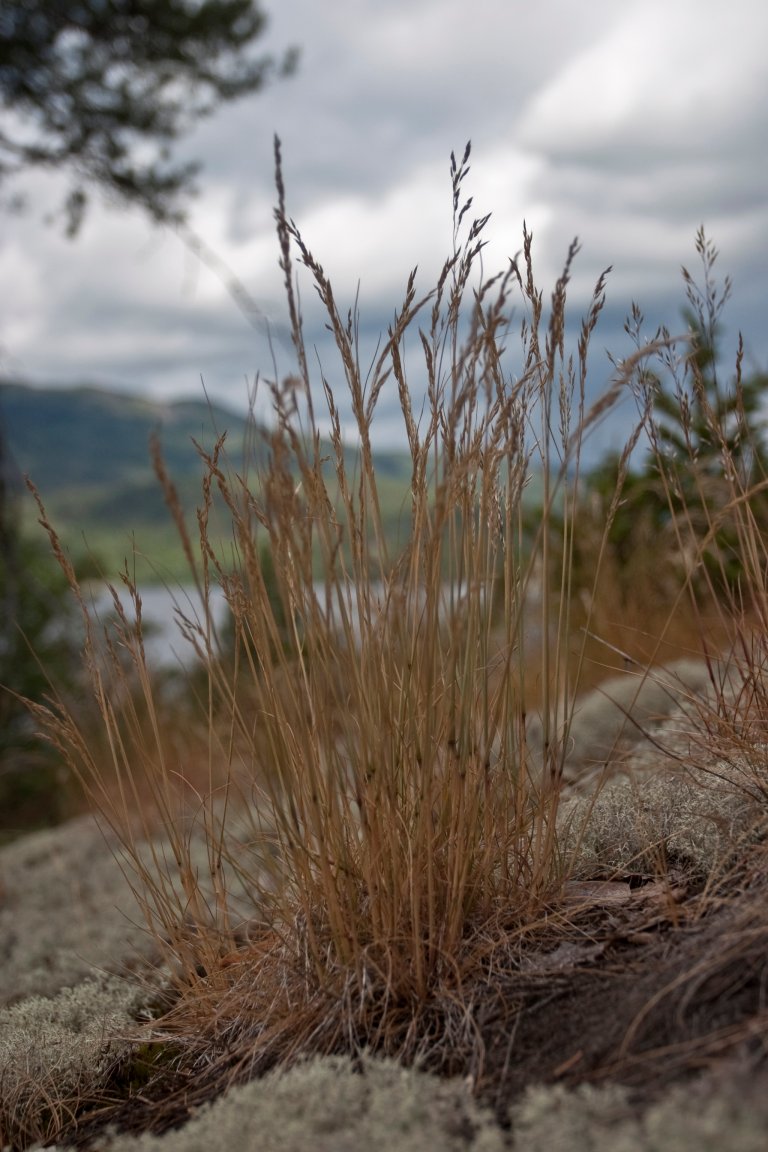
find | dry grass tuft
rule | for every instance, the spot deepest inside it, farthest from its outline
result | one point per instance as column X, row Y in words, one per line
column 376, row 713
column 380, row 818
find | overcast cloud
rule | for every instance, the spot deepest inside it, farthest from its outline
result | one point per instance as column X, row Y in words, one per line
column 628, row 124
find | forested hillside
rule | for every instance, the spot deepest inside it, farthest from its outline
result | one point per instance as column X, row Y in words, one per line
column 87, row 450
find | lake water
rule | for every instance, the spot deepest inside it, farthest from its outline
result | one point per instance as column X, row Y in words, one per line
column 165, row 644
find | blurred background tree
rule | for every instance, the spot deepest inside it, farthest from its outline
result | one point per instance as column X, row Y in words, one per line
column 103, row 88
column 39, row 652
column 99, row 89
column 647, row 517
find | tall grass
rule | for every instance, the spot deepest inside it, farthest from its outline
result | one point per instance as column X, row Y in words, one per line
column 370, row 786
column 708, row 444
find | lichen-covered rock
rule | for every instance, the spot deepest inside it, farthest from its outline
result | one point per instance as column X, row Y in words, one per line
column 327, row 1106
column 57, row 1052
column 66, row 911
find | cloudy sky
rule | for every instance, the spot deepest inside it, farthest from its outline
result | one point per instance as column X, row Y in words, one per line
column 628, row 124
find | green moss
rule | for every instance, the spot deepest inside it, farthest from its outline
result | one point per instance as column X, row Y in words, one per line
column 142, row 1065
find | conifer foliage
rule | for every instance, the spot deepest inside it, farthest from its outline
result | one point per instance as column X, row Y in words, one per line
column 102, row 88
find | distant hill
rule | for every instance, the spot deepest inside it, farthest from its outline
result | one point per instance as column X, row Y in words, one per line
column 78, row 437
column 87, row 451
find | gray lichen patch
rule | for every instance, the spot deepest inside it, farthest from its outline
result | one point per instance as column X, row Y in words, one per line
column 648, row 820
column 66, row 911
column 685, row 1119
column 327, row 1106
column 56, row 1052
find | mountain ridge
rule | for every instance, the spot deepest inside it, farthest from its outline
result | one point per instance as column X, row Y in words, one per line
column 87, row 451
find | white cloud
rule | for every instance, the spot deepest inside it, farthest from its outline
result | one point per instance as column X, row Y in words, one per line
column 672, row 78
column 652, row 130
column 376, row 240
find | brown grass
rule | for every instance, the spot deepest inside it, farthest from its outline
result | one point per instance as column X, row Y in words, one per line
column 368, row 780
